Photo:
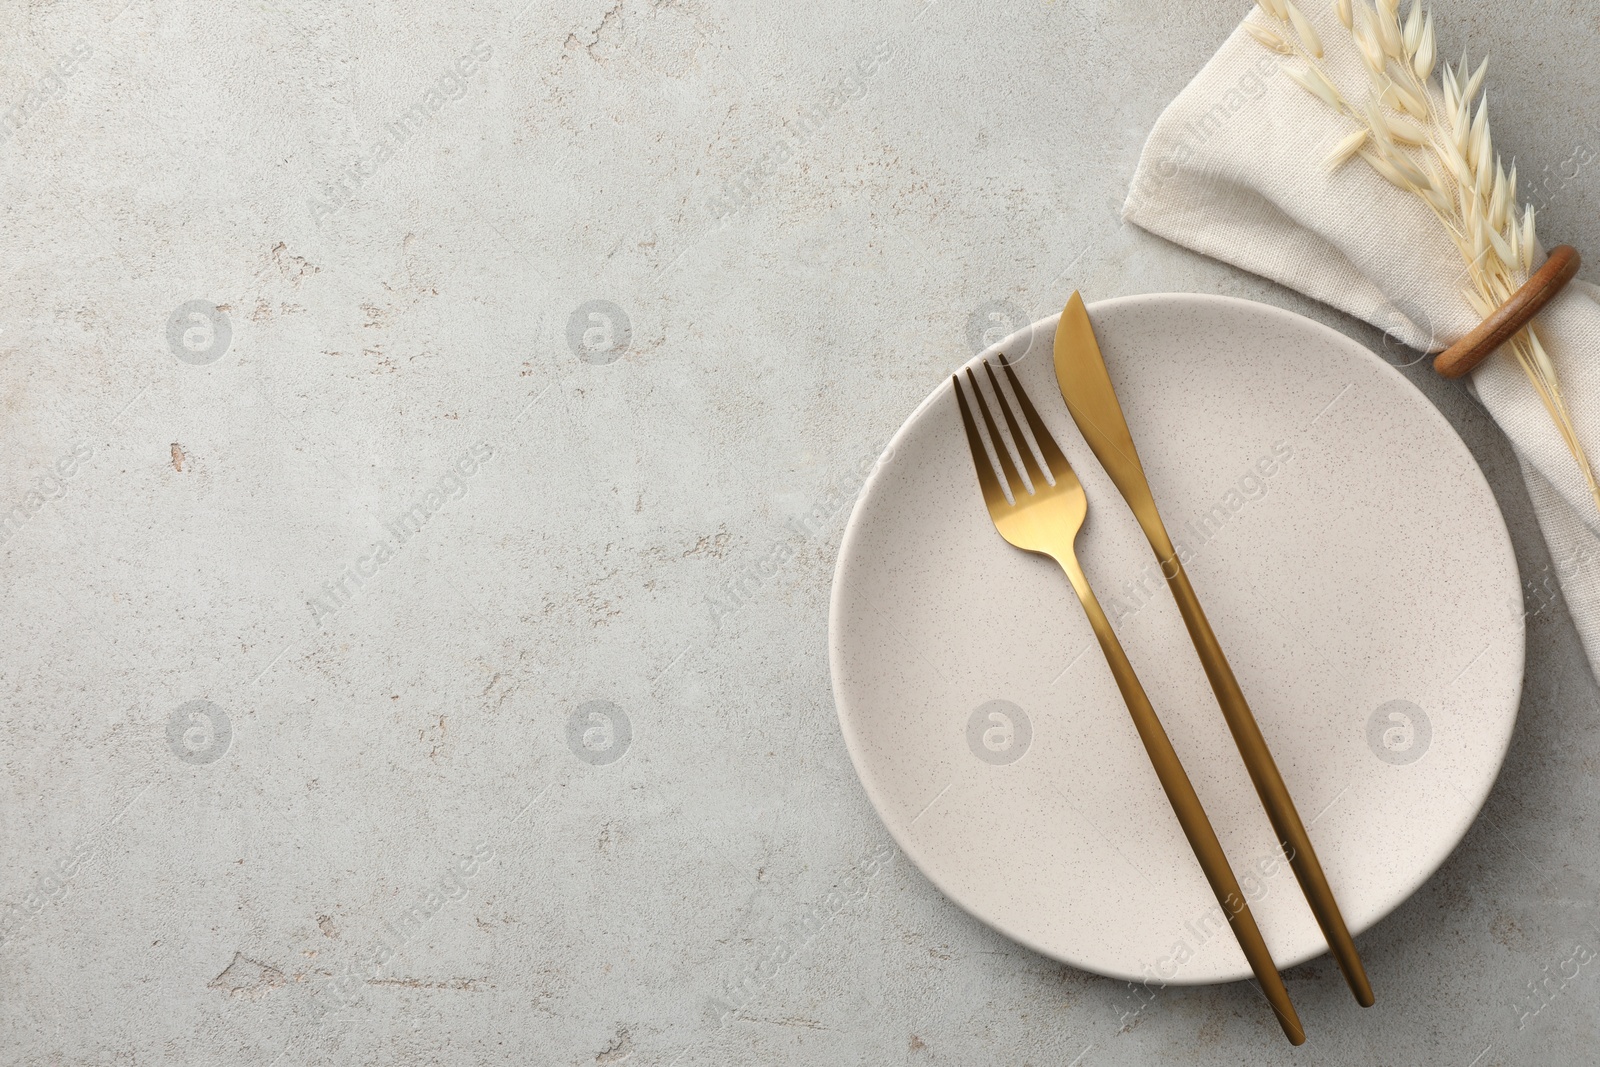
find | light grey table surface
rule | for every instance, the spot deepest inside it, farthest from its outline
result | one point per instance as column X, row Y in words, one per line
column 379, row 838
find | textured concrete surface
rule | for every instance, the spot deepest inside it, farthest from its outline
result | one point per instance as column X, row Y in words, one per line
column 429, row 431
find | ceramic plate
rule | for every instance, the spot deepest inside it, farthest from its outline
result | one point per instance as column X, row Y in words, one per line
column 1352, row 561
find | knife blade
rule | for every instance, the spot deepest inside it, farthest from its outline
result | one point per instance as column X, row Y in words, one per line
column 1086, row 387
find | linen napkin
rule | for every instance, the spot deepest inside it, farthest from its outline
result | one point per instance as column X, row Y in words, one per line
column 1233, row 169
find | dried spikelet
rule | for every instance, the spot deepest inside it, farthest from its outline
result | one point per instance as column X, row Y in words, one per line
column 1461, row 128
column 1444, row 159
column 1443, row 200
column 1341, row 8
column 1268, row 38
column 1304, row 30
column 1541, row 357
column 1478, row 139
column 1483, row 181
column 1389, row 34
column 1451, row 161
column 1345, row 150
column 1498, row 243
column 1410, row 102
column 1441, row 204
column 1314, row 82
column 1527, row 239
column 1408, row 170
column 1389, row 92
column 1497, row 200
column 1367, row 43
column 1273, row 8
column 1372, row 53
column 1474, row 83
column 1511, row 186
column 1376, row 120
column 1452, row 94
column 1406, row 132
column 1387, row 169
column 1412, row 33
column 1479, row 302
column 1542, row 374
column 1454, row 163
column 1391, row 7
column 1425, row 52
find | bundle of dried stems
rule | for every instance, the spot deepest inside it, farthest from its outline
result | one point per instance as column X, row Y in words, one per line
column 1425, row 137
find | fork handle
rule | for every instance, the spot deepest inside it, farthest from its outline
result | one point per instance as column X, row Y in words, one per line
column 1186, row 805
column 1268, row 781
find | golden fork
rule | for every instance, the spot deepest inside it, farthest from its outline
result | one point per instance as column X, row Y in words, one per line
column 1046, row 519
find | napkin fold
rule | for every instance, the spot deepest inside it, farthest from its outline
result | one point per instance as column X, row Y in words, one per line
column 1233, row 169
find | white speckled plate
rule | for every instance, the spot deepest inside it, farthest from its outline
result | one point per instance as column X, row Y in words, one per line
column 1352, row 561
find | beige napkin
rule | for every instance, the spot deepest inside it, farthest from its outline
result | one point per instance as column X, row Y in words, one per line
column 1233, row 169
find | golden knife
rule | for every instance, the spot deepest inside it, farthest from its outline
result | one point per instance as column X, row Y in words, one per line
column 1086, row 387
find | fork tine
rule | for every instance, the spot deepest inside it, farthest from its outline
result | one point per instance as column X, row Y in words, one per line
column 1028, row 461
column 1003, row 454
column 1047, row 444
column 987, row 481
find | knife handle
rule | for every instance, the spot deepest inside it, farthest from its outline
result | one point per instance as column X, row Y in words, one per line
column 1268, row 781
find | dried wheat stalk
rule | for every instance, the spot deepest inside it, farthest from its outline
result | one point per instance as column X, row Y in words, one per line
column 1427, row 139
